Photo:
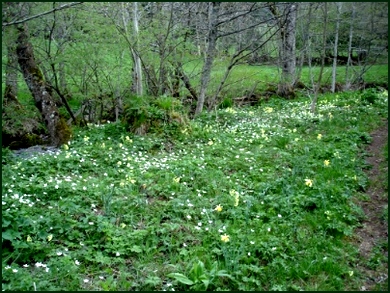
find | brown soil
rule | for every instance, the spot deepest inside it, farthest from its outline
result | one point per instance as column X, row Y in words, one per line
column 374, row 230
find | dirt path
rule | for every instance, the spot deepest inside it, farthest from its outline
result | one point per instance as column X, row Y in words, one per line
column 375, row 227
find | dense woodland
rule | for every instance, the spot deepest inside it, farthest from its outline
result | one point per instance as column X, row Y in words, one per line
column 85, row 62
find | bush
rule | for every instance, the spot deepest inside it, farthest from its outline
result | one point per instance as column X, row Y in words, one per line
column 369, row 96
column 150, row 115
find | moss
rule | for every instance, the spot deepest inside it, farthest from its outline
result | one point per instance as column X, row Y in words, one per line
column 64, row 132
column 25, row 141
column 37, row 74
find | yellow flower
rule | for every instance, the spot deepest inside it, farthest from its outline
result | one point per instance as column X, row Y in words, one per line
column 319, row 136
column 326, row 162
column 309, row 182
column 218, row 208
column 123, row 225
column 225, row 238
column 103, row 145
column 210, row 142
column 176, row 179
column 350, row 273
column 119, row 163
column 29, row 239
column 86, row 138
column 66, row 147
column 50, row 237
column 237, row 199
column 232, row 192
column 268, row 110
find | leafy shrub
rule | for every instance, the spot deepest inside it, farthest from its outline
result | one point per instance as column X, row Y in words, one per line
column 369, row 96
column 164, row 115
column 226, row 103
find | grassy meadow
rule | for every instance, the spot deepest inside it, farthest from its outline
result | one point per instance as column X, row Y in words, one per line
column 258, row 198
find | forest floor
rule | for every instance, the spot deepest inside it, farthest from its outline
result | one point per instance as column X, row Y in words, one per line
column 373, row 235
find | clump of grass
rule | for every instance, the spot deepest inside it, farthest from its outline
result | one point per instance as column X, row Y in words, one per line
column 258, row 198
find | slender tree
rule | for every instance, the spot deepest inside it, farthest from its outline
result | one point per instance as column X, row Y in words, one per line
column 286, row 22
column 335, row 46
column 211, row 43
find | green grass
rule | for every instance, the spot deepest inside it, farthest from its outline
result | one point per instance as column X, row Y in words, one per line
column 114, row 211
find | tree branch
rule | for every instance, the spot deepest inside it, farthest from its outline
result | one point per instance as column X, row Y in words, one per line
column 42, row 14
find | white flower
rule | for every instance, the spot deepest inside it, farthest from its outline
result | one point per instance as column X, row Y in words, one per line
column 188, row 217
column 26, row 265
column 86, row 280
column 59, row 253
column 47, row 270
column 15, row 270
column 117, row 254
column 252, row 242
column 38, row 264
column 101, row 277
column 279, row 215
column 200, row 224
column 91, row 223
column 77, row 262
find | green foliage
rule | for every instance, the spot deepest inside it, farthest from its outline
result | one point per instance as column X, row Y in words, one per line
column 369, row 96
column 260, row 198
column 199, row 277
column 163, row 115
column 226, row 103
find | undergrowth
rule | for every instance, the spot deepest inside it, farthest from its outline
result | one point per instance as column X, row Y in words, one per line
column 257, row 198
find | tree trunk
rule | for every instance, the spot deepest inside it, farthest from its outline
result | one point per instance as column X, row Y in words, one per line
column 11, row 69
column 212, row 39
column 134, row 52
column 287, row 25
column 58, row 129
column 349, row 62
column 335, row 51
column 11, row 78
column 288, row 45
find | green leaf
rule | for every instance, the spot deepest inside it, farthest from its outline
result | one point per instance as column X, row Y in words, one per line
column 181, row 278
column 6, row 223
column 136, row 249
column 10, row 234
column 198, row 269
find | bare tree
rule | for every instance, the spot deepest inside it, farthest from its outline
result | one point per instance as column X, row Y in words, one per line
column 350, row 38
column 286, row 22
column 211, row 43
column 135, row 54
column 335, row 46
column 316, row 85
